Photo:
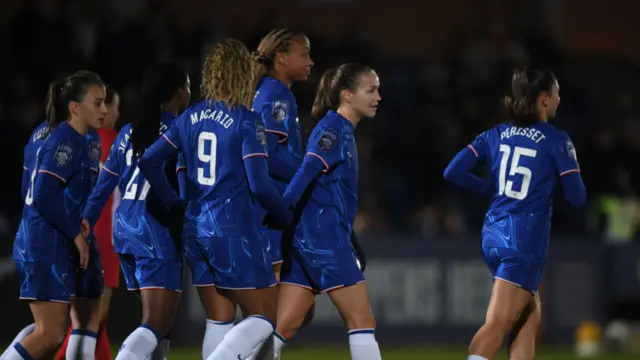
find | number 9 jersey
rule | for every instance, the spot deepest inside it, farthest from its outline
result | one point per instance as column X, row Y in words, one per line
column 525, row 163
column 215, row 141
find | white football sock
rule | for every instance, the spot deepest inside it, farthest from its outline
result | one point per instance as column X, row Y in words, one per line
column 83, row 343
column 21, row 335
column 363, row 345
column 243, row 338
column 214, row 332
column 139, row 345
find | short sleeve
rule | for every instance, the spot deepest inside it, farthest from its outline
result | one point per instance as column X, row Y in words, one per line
column 60, row 160
column 254, row 140
column 325, row 144
column 480, row 146
column 275, row 113
column 564, row 155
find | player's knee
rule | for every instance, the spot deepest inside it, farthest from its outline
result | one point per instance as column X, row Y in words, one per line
column 50, row 337
column 310, row 315
column 503, row 322
column 360, row 320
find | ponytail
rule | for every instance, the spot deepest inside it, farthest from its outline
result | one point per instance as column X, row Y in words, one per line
column 526, row 87
column 326, row 97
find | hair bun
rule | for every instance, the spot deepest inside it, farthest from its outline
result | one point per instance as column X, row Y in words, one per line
column 258, row 57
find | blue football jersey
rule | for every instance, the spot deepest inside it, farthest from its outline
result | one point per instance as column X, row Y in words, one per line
column 134, row 230
column 65, row 155
column 214, row 141
column 30, row 155
column 334, row 198
column 525, row 164
column 277, row 107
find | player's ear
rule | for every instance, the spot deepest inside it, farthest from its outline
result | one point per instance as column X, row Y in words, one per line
column 346, row 96
column 74, row 108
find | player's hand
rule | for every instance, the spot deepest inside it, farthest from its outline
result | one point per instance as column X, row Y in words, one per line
column 83, row 250
column 85, row 227
column 362, row 261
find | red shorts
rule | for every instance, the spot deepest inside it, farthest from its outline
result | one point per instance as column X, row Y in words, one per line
column 110, row 262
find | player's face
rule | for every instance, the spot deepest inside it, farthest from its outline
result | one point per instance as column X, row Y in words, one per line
column 297, row 61
column 551, row 101
column 184, row 96
column 366, row 97
column 113, row 113
column 92, row 110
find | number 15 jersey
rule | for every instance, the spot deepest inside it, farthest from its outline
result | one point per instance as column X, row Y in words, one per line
column 525, row 163
column 214, row 141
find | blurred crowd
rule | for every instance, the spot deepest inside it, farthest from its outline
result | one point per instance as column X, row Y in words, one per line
column 431, row 107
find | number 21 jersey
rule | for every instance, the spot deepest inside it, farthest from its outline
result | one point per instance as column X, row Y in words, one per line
column 134, row 230
column 525, row 163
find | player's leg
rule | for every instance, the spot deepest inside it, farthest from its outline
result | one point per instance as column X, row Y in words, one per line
column 47, row 287
column 522, row 345
column 294, row 303
column 85, row 309
column 220, row 311
column 221, row 314
column 512, row 291
column 340, row 277
column 21, row 335
column 111, row 271
column 159, row 282
column 355, row 308
column 244, row 276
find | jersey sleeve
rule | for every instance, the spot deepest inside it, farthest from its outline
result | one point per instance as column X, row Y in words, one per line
column 564, row 155
column 254, row 141
column 114, row 162
column 172, row 136
column 325, row 144
column 58, row 160
column 275, row 114
column 480, row 146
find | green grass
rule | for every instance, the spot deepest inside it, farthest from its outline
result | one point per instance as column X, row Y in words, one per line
column 337, row 353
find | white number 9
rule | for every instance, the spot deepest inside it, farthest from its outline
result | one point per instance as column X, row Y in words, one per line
column 207, row 157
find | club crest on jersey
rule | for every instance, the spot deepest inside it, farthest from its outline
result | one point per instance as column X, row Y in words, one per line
column 279, row 112
column 260, row 133
column 64, row 153
column 95, row 152
column 328, row 140
column 571, row 150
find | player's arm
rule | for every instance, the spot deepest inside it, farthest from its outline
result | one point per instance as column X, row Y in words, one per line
column 57, row 166
column 459, row 169
column 323, row 154
column 152, row 165
column 24, row 187
column 181, row 172
column 275, row 115
column 107, row 182
column 254, row 154
column 567, row 167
